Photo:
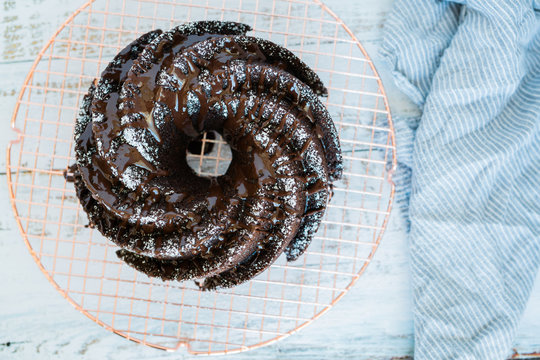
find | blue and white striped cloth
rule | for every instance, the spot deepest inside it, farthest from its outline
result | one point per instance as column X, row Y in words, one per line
column 473, row 159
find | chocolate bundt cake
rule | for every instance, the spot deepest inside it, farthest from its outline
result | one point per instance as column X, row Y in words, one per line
column 138, row 120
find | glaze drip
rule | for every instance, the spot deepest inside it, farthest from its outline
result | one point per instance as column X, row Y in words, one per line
column 160, row 94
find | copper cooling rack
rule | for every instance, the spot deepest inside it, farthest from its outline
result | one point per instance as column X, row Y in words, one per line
column 82, row 265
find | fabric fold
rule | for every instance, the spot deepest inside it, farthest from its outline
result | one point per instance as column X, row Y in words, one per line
column 474, row 209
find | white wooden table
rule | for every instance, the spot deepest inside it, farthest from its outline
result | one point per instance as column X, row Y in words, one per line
column 373, row 321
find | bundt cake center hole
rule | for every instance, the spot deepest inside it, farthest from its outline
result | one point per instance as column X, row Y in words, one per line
column 209, row 154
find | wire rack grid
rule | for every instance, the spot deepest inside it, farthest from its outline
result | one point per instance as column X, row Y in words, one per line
column 82, row 265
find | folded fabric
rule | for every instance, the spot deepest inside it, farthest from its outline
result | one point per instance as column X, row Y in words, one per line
column 473, row 67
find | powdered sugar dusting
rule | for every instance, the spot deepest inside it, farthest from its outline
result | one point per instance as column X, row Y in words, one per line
column 280, row 118
column 139, row 139
column 193, row 104
column 132, row 177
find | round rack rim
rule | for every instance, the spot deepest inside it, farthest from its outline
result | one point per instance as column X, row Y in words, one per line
column 180, row 341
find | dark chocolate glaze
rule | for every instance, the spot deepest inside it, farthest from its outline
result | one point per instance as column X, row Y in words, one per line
column 160, row 94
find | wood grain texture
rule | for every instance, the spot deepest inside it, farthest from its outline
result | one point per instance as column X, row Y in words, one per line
column 373, row 321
